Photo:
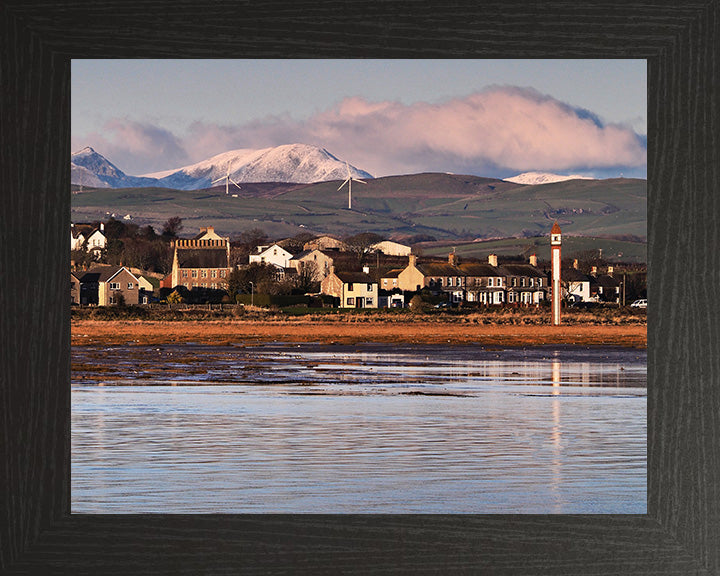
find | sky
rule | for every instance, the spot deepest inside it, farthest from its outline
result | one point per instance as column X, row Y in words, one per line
column 493, row 118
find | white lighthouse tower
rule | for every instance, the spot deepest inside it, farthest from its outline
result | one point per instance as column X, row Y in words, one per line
column 555, row 242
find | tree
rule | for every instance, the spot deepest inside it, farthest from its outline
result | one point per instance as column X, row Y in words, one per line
column 296, row 244
column 174, row 297
column 172, row 227
column 256, row 277
column 417, row 304
column 306, row 280
column 114, row 229
column 360, row 243
column 253, row 238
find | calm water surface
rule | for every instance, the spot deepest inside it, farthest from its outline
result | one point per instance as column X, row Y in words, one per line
column 361, row 428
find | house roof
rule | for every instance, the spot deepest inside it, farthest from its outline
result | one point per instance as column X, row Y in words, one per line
column 439, row 269
column 266, row 249
column 574, row 275
column 607, row 281
column 202, row 258
column 393, row 273
column 522, row 270
column 358, row 277
column 103, row 274
column 480, row 270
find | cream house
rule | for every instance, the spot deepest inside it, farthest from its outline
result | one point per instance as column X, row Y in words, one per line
column 352, row 289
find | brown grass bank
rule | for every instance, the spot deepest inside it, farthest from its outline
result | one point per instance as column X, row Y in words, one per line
column 348, row 330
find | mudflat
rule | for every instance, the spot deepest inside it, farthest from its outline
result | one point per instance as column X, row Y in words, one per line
column 353, row 330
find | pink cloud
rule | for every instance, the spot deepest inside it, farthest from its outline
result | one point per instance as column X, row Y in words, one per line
column 501, row 129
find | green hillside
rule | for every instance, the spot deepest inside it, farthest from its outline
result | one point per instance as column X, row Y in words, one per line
column 446, row 206
column 579, row 247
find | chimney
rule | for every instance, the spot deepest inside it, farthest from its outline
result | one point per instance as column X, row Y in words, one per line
column 332, row 270
column 593, row 271
column 412, row 260
column 610, row 270
column 102, row 227
column 366, row 269
column 575, row 264
column 533, row 260
column 492, row 259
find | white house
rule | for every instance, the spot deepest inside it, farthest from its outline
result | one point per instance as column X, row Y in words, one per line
column 85, row 235
column 276, row 255
column 577, row 286
column 391, row 248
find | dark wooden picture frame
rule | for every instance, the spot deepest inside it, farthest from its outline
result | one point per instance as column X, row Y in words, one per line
column 681, row 532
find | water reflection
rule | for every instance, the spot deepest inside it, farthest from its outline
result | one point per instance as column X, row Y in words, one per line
column 358, row 429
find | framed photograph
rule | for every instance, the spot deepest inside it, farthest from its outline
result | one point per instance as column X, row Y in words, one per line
column 678, row 533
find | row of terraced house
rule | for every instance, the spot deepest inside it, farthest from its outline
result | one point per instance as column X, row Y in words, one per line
column 203, row 262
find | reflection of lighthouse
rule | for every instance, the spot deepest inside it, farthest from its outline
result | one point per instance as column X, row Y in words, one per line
column 555, row 241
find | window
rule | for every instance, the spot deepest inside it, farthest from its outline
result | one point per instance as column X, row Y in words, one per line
column 449, row 281
column 369, row 287
column 350, row 287
column 130, row 286
column 350, row 301
column 114, row 285
column 368, row 301
column 203, row 274
column 222, row 273
column 184, row 274
column 522, row 281
column 490, row 281
column 213, row 274
column 514, row 281
column 194, row 273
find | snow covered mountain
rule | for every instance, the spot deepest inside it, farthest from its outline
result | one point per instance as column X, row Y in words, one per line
column 88, row 168
column 297, row 163
column 543, row 178
column 300, row 163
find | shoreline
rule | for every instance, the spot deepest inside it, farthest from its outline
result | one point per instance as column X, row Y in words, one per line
column 227, row 332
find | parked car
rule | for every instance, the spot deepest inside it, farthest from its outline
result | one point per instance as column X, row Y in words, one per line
column 642, row 303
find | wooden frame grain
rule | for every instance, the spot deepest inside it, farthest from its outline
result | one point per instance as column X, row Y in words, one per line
column 681, row 532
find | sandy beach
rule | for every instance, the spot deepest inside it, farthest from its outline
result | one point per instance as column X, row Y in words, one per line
column 233, row 331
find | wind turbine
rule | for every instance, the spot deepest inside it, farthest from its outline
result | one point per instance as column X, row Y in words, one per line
column 227, row 181
column 349, row 182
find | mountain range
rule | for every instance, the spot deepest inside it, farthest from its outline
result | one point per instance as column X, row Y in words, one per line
column 297, row 163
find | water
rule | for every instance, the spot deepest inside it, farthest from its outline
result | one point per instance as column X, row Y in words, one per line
column 354, row 429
